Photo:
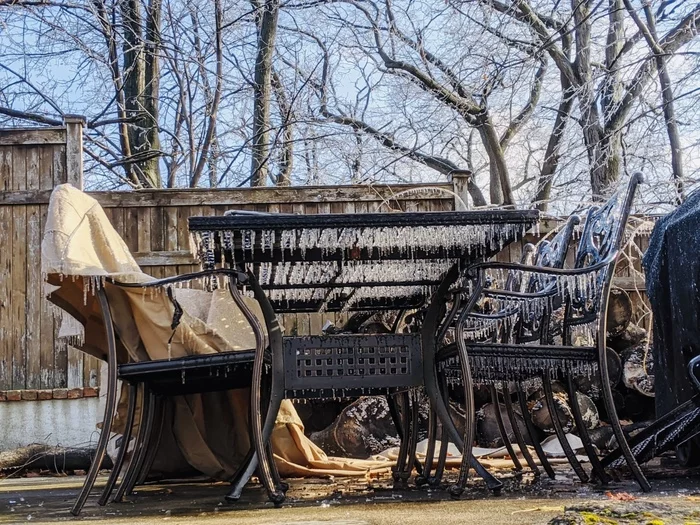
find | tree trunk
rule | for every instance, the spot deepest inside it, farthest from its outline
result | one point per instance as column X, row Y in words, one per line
column 267, row 31
column 674, row 138
column 500, row 189
column 286, row 156
column 151, row 95
column 605, row 171
column 108, row 31
column 552, row 154
column 141, row 88
column 209, row 148
column 134, row 75
column 602, row 148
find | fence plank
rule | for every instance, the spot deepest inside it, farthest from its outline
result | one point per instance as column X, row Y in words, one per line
column 32, row 136
column 6, row 276
column 60, row 349
column 18, row 249
column 47, row 328
column 34, row 283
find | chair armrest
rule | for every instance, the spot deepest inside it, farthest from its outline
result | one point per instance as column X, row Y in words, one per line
column 554, row 274
column 542, row 270
column 239, row 276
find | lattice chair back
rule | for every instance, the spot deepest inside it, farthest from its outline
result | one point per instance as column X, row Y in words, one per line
column 605, row 226
column 597, row 250
column 534, row 322
column 552, row 253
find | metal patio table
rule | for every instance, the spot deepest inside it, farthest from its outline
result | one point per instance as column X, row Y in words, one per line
column 351, row 263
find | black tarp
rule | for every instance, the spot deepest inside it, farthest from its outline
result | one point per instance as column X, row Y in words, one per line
column 672, row 267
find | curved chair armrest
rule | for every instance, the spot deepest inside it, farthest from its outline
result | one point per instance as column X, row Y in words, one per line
column 554, row 274
column 240, row 277
column 542, row 270
column 496, row 293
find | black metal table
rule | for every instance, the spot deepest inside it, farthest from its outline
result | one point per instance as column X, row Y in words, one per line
column 351, row 262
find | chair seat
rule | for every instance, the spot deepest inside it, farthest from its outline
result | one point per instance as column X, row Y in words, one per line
column 513, row 362
column 192, row 374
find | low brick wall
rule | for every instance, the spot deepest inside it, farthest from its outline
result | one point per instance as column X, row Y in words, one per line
column 48, row 394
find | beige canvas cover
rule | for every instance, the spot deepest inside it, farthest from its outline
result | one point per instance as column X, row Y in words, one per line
column 209, row 432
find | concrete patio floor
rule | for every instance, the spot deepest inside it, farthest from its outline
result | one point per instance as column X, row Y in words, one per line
column 359, row 502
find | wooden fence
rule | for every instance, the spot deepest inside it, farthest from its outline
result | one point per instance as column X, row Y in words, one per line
column 32, row 162
column 153, row 223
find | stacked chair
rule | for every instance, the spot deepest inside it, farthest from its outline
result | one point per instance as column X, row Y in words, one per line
column 513, row 344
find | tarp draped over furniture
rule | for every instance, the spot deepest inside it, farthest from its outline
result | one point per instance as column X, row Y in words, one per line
column 672, row 268
column 209, row 431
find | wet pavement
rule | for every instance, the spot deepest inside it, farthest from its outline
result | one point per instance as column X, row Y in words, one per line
column 676, row 499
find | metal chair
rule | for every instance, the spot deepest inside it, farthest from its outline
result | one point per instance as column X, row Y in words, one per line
column 152, row 380
column 584, row 291
column 503, row 325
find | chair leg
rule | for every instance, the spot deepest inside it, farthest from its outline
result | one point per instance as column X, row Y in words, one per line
column 121, row 454
column 444, row 442
column 276, row 478
column 110, row 407
column 139, row 452
column 250, row 463
column 261, row 430
column 561, row 435
column 469, row 421
column 159, row 421
column 261, row 436
column 598, row 469
column 411, row 459
column 517, row 433
column 453, row 434
column 243, row 475
column 424, row 478
column 532, row 432
column 502, row 430
column 276, row 394
column 614, row 421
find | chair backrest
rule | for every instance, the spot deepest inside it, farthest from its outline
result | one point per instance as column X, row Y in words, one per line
column 552, row 253
column 600, row 242
column 604, row 228
column 533, row 322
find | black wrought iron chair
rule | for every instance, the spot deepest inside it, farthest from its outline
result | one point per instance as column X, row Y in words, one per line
column 152, row 380
column 584, row 291
column 505, row 323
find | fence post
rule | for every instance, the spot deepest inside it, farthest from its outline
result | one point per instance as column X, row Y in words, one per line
column 74, row 149
column 460, row 181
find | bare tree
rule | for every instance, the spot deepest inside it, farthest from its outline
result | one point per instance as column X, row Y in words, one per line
column 649, row 32
column 268, row 12
column 323, row 91
column 604, row 110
